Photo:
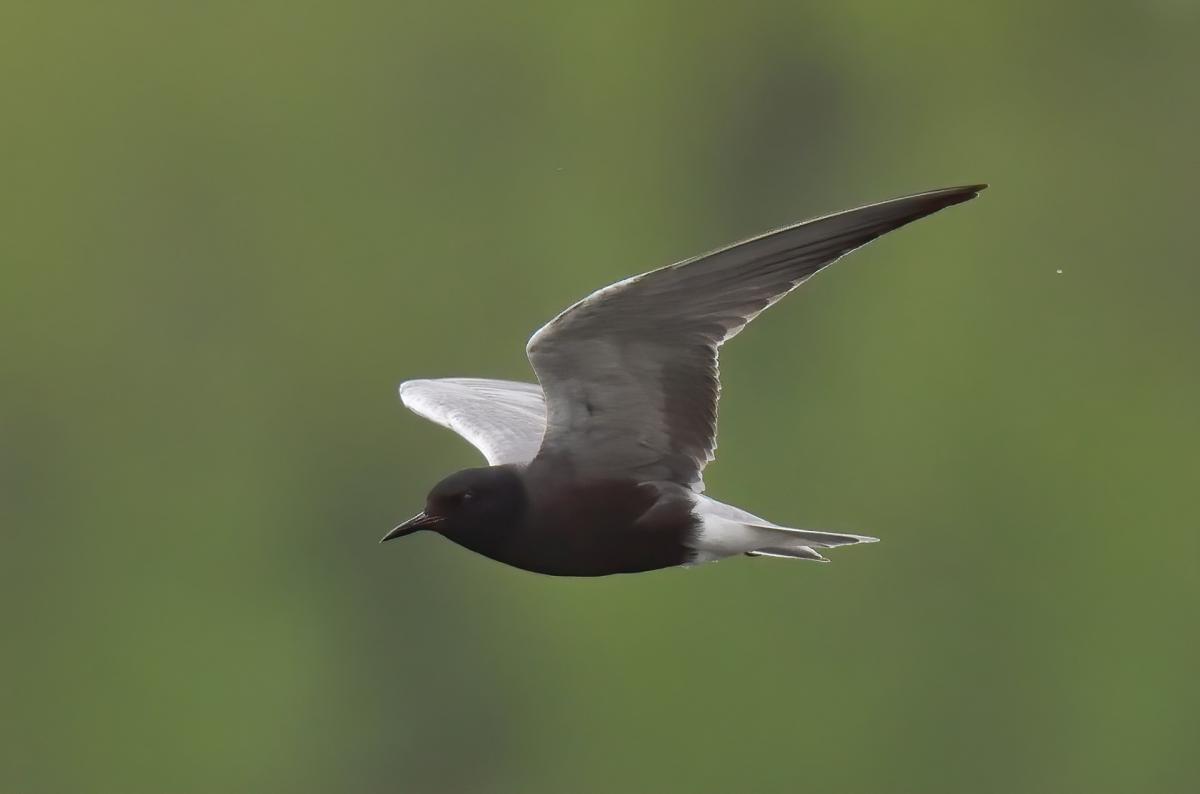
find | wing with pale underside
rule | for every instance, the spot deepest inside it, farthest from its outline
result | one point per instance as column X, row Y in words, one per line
column 503, row 419
column 630, row 372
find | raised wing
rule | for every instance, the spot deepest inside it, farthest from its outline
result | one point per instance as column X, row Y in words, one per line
column 503, row 419
column 630, row 372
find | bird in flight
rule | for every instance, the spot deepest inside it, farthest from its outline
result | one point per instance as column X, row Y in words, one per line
column 597, row 470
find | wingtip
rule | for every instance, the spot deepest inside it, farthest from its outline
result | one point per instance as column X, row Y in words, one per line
column 408, row 384
column 978, row 187
column 961, row 192
column 940, row 199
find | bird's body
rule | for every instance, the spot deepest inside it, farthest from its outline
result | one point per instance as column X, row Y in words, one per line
column 573, row 528
column 599, row 469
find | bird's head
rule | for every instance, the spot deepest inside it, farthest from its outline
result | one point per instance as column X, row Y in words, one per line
column 469, row 502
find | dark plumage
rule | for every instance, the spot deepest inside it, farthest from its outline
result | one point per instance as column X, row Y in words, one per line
column 563, row 528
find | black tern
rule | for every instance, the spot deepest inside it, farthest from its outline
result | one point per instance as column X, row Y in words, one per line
column 598, row 470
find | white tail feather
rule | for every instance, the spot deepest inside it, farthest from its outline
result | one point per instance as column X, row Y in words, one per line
column 799, row 553
column 726, row 531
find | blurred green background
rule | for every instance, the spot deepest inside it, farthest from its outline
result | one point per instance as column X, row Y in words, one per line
column 230, row 229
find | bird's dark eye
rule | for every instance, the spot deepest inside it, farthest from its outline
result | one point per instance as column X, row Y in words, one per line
column 467, row 496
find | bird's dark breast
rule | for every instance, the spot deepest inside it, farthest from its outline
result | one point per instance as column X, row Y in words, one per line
column 598, row 528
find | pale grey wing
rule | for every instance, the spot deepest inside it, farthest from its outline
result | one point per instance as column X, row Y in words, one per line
column 630, row 372
column 503, row 419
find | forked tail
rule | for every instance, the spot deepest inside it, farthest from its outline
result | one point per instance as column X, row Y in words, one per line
column 726, row 531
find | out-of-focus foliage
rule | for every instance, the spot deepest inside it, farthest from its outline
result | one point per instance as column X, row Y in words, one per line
column 230, row 229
